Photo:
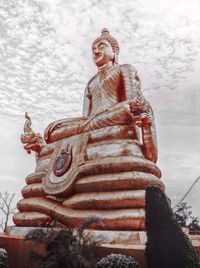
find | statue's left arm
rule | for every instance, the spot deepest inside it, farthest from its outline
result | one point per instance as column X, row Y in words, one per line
column 148, row 129
column 142, row 112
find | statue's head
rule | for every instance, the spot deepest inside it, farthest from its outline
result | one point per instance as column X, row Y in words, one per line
column 105, row 49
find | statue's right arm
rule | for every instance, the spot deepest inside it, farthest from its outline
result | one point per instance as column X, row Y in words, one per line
column 68, row 126
column 62, row 129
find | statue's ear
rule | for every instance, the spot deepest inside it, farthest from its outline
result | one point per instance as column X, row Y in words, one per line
column 115, row 59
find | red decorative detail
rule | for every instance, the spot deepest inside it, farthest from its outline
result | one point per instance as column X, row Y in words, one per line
column 63, row 162
column 137, row 78
column 46, row 222
column 121, row 95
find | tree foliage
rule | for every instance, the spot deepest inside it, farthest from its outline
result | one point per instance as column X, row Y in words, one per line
column 167, row 245
column 185, row 218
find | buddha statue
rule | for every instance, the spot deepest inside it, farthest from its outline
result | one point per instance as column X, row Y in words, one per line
column 101, row 163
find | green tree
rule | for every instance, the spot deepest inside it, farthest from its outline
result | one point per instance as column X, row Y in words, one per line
column 184, row 217
column 167, row 245
column 183, row 214
column 194, row 225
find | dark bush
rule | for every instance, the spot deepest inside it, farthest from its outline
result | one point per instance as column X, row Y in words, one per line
column 37, row 235
column 64, row 248
column 3, row 258
column 167, row 245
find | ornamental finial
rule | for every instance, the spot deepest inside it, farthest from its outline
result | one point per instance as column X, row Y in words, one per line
column 105, row 31
column 33, row 141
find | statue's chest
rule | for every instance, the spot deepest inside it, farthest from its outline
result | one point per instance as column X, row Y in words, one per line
column 104, row 90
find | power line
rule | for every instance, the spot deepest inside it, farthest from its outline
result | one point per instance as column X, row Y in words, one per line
column 188, row 191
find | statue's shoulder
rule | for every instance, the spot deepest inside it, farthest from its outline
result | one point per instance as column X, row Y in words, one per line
column 91, row 79
column 128, row 69
column 131, row 80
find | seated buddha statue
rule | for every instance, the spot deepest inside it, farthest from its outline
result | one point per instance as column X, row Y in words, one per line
column 101, row 163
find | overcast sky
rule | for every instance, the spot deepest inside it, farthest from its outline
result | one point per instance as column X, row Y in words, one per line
column 45, row 51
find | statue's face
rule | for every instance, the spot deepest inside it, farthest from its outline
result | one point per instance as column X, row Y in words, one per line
column 102, row 52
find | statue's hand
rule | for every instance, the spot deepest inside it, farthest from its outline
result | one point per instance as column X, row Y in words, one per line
column 142, row 111
column 146, row 120
column 64, row 122
column 54, row 126
column 51, row 128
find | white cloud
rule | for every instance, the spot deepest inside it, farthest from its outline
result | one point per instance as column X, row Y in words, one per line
column 46, row 63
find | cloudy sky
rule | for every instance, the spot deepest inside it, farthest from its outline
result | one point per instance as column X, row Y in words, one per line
column 45, row 51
